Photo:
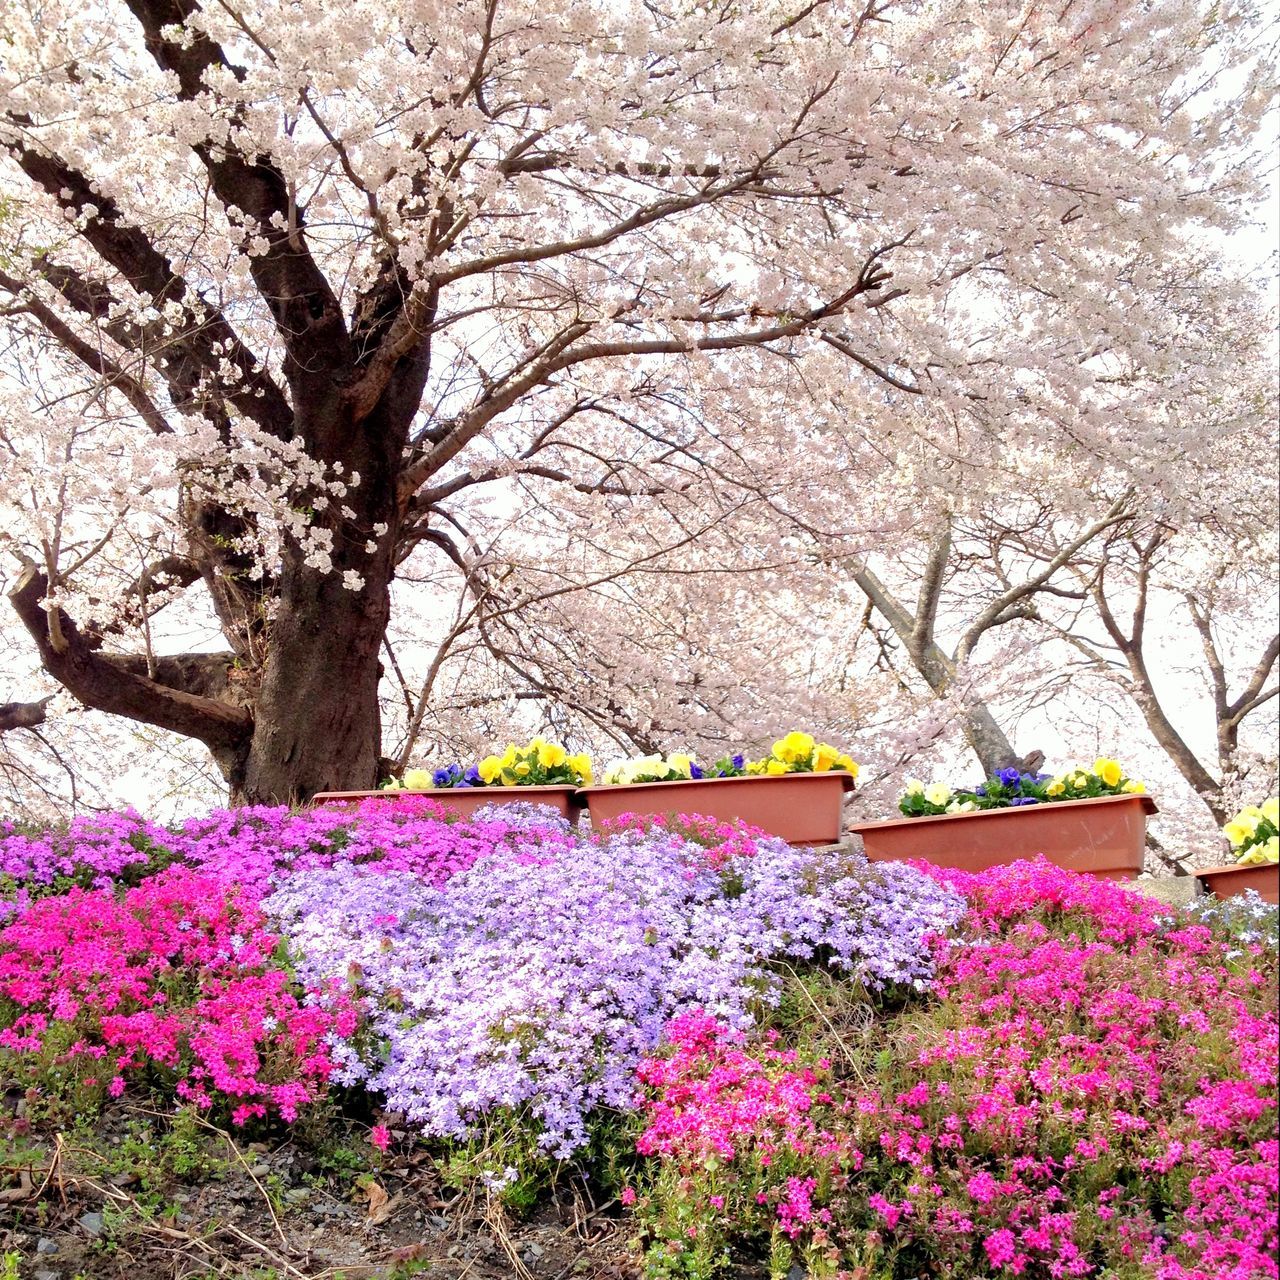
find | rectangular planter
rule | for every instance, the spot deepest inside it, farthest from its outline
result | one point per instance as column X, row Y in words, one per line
column 802, row 808
column 1229, row 881
column 1104, row 837
column 464, row 800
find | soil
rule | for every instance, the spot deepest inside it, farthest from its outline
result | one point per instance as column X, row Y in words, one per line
column 77, row 1206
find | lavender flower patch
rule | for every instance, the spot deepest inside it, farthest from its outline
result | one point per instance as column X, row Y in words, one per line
column 535, row 979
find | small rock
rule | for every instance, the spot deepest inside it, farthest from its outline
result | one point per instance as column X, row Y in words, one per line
column 46, row 1245
column 91, row 1222
column 1176, row 891
column 533, row 1251
column 260, row 1170
column 298, row 1195
column 46, row 1275
column 438, row 1220
column 798, row 1272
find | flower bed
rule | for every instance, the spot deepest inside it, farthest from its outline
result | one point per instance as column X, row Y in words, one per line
column 1254, row 837
column 775, row 1055
column 1093, row 1092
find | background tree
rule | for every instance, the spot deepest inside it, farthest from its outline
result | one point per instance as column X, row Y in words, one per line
column 279, row 312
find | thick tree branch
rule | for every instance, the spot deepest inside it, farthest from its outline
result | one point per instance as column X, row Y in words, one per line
column 205, row 337
column 93, row 359
column 1143, row 690
column 107, row 684
column 930, row 594
column 22, row 715
column 303, row 305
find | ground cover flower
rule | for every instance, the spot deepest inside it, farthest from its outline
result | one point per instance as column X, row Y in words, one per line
column 535, row 980
column 1013, row 788
column 1254, row 833
column 1090, row 1090
column 176, row 977
column 89, row 850
column 255, row 845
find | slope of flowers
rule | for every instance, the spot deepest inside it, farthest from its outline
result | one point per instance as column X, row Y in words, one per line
column 1094, row 1093
column 505, row 964
column 875, row 1071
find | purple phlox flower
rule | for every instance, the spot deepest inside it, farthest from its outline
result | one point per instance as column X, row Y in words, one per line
column 535, row 979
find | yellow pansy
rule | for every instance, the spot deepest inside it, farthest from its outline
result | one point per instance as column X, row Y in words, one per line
column 915, row 787
column 417, row 780
column 1056, row 787
column 755, row 766
column 681, row 764
column 551, row 754
column 581, row 765
column 1134, row 788
column 824, row 757
column 795, row 746
column 1261, row 854
column 1236, row 832
column 1109, row 771
column 489, row 768
column 509, row 755
column 522, row 769
column 1271, row 810
column 774, row 767
column 1078, row 780
column 937, row 793
column 847, row 764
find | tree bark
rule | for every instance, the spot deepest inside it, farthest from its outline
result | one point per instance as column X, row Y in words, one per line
column 984, row 736
column 22, row 715
column 317, row 720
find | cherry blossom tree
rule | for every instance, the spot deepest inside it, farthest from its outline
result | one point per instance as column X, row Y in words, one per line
column 291, row 294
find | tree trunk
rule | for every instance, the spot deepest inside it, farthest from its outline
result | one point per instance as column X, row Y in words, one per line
column 987, row 740
column 317, row 721
column 317, row 725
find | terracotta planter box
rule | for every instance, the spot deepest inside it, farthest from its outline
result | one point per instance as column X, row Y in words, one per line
column 802, row 808
column 1228, row 882
column 464, row 800
column 1104, row 838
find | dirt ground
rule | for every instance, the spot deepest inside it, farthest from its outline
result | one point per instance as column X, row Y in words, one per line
column 124, row 1201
